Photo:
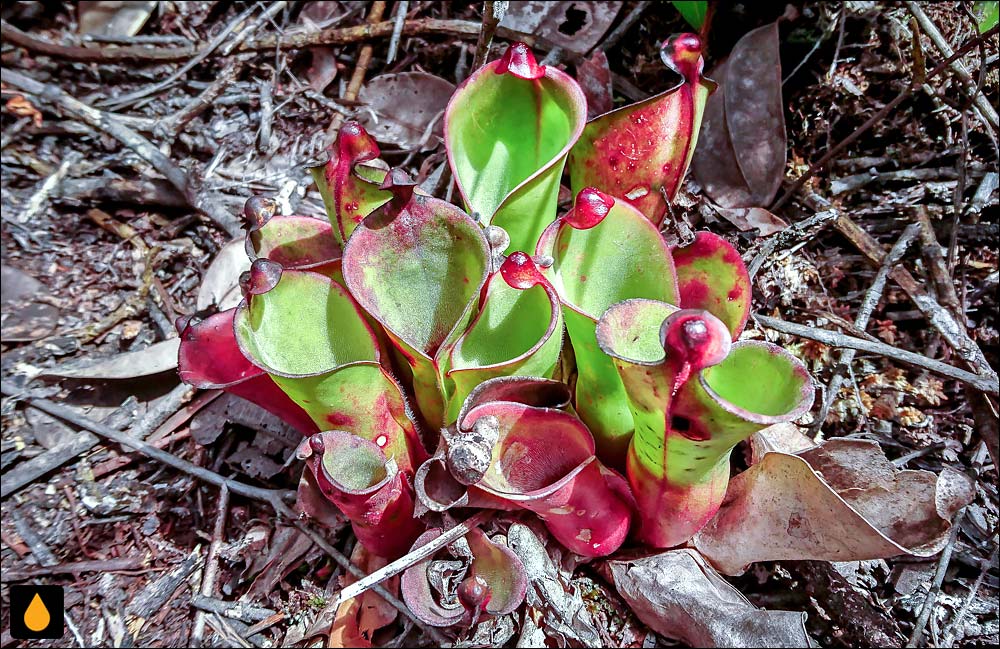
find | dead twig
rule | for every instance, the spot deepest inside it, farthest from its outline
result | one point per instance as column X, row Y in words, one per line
column 74, row 567
column 358, row 76
column 274, row 497
column 865, row 311
column 215, row 43
column 878, row 117
column 968, row 85
column 111, row 125
column 47, row 187
column 331, row 36
column 211, row 572
column 950, row 329
column 94, row 54
column 27, row 472
column 932, row 594
column 796, row 233
column 835, row 339
column 412, row 557
column 397, row 30
column 493, row 13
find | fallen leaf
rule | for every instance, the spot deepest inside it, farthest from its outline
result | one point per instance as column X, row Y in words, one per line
column 111, row 18
column 356, row 620
column 576, row 26
column 158, row 357
column 287, row 549
column 322, row 68
column 678, row 595
column 740, row 158
column 25, row 315
column 594, row 77
column 220, row 285
column 749, row 218
column 840, row 501
column 406, row 108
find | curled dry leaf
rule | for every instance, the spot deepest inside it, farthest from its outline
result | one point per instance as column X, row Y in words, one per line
column 840, row 501
column 678, row 595
column 575, row 26
column 357, row 619
column 740, row 160
column 406, row 108
column 220, row 285
column 158, row 357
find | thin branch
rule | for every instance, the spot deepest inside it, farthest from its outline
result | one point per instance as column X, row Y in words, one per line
column 14, row 35
column 110, row 124
column 868, row 304
column 210, row 574
column 878, row 117
column 404, row 562
column 940, row 318
column 969, row 87
column 301, row 40
column 274, row 497
column 942, row 569
column 397, row 30
column 493, row 13
column 835, row 339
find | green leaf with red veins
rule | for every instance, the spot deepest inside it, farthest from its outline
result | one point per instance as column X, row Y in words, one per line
column 508, row 130
column 643, row 150
column 604, row 251
column 311, row 338
column 417, row 265
column 711, row 276
column 694, row 395
column 516, row 332
column 349, row 182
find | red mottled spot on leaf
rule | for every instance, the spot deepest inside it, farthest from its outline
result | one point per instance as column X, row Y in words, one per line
column 736, row 293
column 339, row 420
column 693, row 292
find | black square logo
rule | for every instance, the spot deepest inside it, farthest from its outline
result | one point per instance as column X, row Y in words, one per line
column 36, row 612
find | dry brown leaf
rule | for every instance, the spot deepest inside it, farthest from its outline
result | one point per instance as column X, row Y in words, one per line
column 594, row 77
column 357, row 619
column 749, row 218
column 741, row 153
column 576, row 26
column 26, row 315
column 406, row 108
column 156, row 358
column 680, row 596
column 840, row 501
column 114, row 18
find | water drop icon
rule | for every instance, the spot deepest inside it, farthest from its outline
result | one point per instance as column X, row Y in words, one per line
column 36, row 616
